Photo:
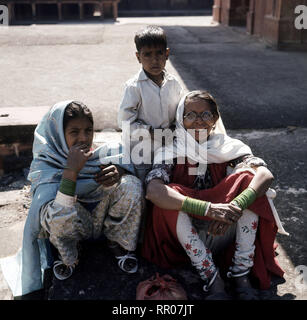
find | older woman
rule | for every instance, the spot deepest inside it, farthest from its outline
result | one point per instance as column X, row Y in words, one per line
column 205, row 201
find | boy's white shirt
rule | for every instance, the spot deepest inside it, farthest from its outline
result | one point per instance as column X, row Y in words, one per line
column 146, row 105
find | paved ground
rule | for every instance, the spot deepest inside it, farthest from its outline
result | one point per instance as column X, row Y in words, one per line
column 260, row 102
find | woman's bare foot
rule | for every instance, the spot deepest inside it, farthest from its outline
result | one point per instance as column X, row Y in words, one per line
column 217, row 290
column 218, row 285
column 244, row 289
column 242, row 282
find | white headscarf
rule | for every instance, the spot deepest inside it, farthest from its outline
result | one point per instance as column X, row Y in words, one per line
column 219, row 147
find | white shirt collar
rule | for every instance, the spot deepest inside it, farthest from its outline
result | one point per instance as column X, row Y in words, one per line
column 143, row 76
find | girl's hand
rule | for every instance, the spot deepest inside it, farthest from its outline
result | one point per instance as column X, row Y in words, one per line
column 226, row 213
column 109, row 175
column 77, row 157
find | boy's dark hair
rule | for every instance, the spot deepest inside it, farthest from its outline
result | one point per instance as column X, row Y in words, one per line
column 206, row 96
column 75, row 110
column 150, row 36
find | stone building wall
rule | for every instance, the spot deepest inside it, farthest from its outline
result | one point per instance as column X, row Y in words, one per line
column 272, row 20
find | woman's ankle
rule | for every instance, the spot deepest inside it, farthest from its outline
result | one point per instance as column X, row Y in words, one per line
column 240, row 279
column 218, row 285
column 242, row 282
column 215, row 284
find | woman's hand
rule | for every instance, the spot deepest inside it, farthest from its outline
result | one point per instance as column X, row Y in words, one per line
column 217, row 228
column 223, row 215
column 109, row 175
column 77, row 157
column 226, row 213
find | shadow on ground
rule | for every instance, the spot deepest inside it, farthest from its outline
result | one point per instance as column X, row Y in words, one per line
column 247, row 77
column 97, row 277
column 285, row 157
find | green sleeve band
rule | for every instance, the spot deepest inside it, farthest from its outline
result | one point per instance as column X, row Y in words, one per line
column 195, row 206
column 68, row 187
column 245, row 198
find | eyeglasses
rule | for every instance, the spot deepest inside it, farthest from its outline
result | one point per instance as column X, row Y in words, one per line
column 205, row 116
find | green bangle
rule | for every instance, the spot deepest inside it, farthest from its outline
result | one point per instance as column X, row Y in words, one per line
column 195, row 206
column 68, row 187
column 245, row 198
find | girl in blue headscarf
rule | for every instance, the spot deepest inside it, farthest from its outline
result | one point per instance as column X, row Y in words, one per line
column 78, row 193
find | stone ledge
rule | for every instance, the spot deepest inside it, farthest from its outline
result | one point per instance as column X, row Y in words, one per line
column 16, row 151
column 16, row 116
column 18, row 124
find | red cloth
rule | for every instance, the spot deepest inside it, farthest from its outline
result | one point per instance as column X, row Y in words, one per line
column 161, row 245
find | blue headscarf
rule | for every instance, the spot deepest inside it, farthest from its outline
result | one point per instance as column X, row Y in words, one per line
column 50, row 153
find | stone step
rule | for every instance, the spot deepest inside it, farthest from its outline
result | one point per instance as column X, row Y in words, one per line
column 17, row 124
column 17, row 127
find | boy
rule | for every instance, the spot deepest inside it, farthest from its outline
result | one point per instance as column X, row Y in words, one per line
column 151, row 97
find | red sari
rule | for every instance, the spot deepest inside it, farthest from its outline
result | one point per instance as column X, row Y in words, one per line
column 161, row 245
